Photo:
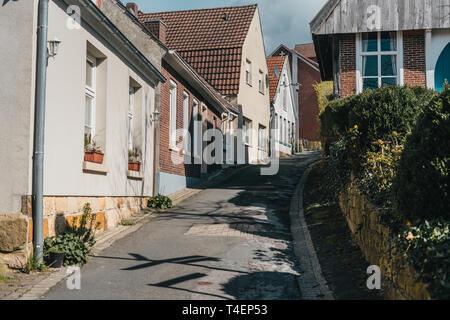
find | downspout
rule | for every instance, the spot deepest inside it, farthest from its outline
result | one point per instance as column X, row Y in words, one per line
column 39, row 126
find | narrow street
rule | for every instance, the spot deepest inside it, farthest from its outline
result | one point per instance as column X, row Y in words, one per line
column 229, row 242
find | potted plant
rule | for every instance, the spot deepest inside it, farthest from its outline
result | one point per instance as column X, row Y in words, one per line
column 133, row 160
column 56, row 257
column 92, row 152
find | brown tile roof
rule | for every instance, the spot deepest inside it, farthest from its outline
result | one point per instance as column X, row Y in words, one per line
column 211, row 40
column 274, row 79
column 307, row 50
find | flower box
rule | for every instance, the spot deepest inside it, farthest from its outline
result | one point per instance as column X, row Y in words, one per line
column 134, row 166
column 93, row 156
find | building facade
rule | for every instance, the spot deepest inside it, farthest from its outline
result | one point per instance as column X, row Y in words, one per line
column 226, row 47
column 364, row 45
column 284, row 112
column 101, row 95
column 305, row 70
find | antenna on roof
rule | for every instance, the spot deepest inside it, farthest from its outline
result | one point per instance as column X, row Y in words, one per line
column 226, row 17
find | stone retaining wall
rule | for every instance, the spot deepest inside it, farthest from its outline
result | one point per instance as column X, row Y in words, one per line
column 16, row 230
column 375, row 240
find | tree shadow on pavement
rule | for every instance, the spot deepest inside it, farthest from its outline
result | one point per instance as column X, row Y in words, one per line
column 263, row 286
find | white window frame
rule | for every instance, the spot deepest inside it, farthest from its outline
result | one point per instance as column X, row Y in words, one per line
column 261, row 137
column 360, row 54
column 186, row 146
column 247, row 136
column 173, row 115
column 91, row 92
column 248, row 72
column 132, row 92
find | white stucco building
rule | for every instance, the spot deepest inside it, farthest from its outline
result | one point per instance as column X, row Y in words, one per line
column 101, row 86
column 284, row 114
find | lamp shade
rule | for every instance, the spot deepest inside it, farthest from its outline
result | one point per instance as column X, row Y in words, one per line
column 53, row 47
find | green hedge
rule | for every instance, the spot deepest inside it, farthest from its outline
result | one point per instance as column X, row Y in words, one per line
column 377, row 113
column 422, row 184
column 324, row 92
column 334, row 119
column 381, row 112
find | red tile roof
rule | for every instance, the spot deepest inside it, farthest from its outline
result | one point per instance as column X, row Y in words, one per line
column 210, row 40
column 307, row 50
column 274, row 78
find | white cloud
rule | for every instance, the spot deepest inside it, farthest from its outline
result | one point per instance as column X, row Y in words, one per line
column 286, row 21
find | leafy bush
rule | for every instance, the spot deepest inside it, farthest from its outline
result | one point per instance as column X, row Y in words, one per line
column 338, row 166
column 78, row 240
column 75, row 250
column 380, row 112
column 427, row 248
column 422, row 185
column 378, row 172
column 160, row 202
column 377, row 113
column 334, row 119
column 324, row 92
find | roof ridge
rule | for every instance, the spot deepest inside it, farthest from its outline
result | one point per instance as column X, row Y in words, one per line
column 200, row 9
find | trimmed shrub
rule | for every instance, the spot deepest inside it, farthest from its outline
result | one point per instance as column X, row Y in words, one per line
column 422, row 184
column 334, row 119
column 380, row 112
column 324, row 92
column 377, row 113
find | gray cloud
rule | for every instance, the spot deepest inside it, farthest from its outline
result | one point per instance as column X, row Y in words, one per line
column 286, row 21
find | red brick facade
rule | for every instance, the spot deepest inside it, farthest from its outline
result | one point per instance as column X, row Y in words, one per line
column 308, row 104
column 414, row 62
column 347, row 57
column 212, row 118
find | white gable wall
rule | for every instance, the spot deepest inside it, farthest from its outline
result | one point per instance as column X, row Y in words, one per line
column 288, row 113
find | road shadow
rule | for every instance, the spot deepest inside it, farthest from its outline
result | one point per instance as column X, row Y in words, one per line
column 263, row 286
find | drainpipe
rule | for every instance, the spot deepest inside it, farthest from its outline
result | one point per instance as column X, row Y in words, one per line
column 39, row 125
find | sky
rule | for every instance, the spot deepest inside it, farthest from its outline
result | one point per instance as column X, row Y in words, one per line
column 283, row 21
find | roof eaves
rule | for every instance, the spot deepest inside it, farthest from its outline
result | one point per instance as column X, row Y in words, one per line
column 202, row 82
column 110, row 25
column 323, row 15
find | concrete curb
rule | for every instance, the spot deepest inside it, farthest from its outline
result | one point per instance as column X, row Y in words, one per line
column 311, row 282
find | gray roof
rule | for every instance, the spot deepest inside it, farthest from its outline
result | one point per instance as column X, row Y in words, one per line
column 353, row 16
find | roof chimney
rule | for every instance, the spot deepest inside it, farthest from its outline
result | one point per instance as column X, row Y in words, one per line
column 158, row 28
column 133, row 8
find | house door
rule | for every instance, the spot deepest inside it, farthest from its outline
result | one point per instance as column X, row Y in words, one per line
column 442, row 71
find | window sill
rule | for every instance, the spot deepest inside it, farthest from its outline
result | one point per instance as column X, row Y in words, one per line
column 174, row 149
column 95, row 168
column 135, row 175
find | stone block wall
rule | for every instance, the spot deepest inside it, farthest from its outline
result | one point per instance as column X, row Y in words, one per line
column 16, row 230
column 399, row 281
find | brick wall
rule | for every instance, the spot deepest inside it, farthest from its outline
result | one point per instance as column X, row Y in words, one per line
column 414, row 58
column 211, row 116
column 308, row 104
column 347, row 57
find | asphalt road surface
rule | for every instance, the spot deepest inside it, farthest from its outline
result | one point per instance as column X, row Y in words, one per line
column 228, row 242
